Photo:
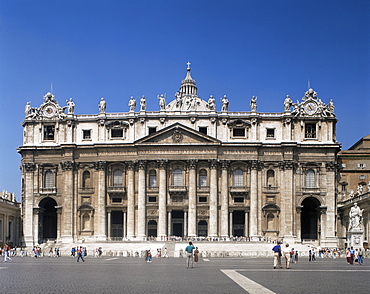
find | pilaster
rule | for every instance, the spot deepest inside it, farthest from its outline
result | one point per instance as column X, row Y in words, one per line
column 192, row 216
column 100, row 221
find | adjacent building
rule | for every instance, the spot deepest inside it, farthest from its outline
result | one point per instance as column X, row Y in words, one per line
column 354, row 187
column 186, row 169
column 10, row 220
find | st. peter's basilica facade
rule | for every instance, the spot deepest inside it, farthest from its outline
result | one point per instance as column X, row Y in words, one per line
column 184, row 170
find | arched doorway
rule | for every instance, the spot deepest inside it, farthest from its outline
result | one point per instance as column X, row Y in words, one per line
column 48, row 219
column 310, row 218
column 152, row 228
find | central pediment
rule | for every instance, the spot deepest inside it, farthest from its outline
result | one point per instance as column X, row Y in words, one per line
column 177, row 134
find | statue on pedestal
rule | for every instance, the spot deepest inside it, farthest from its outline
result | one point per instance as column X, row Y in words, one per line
column 162, row 102
column 287, row 103
column 355, row 217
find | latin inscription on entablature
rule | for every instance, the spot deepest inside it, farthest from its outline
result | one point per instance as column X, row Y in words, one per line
column 110, row 153
column 240, row 152
column 181, row 151
column 272, row 153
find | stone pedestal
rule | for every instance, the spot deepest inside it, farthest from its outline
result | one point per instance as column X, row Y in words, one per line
column 355, row 238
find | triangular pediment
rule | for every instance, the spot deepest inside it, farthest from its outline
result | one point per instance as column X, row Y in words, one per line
column 177, row 134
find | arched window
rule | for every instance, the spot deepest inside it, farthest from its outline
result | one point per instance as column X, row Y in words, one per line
column 86, row 181
column 49, row 180
column 202, row 178
column 152, row 178
column 177, row 177
column 310, row 179
column 270, row 178
column 238, row 177
column 117, row 178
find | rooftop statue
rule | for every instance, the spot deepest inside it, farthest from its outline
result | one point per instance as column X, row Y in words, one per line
column 212, row 103
column 162, row 102
column 70, row 106
column 102, row 105
column 142, row 103
column 253, row 104
column 287, row 103
column 225, row 103
column 132, row 104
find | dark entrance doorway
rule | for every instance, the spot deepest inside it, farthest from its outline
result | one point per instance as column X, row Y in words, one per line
column 152, row 228
column 238, row 223
column 117, row 224
column 202, row 228
column 177, row 223
column 309, row 218
column 48, row 219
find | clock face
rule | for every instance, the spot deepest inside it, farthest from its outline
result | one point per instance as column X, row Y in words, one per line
column 310, row 108
column 49, row 111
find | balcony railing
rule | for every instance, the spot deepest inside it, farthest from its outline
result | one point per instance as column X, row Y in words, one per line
column 86, row 190
column 116, row 190
column 177, row 190
column 239, row 190
column 48, row 190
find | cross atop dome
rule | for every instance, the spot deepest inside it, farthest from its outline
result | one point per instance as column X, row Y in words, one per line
column 188, row 63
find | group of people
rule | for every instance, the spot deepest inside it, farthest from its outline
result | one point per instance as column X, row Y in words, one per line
column 355, row 256
column 289, row 254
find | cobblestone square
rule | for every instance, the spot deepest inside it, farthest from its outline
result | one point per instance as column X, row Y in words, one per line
column 216, row 275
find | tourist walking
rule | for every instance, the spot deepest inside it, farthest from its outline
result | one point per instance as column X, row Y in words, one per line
column 80, row 254
column 196, row 254
column 348, row 256
column 165, row 254
column 6, row 253
column 189, row 251
column 286, row 254
column 277, row 255
column 360, row 256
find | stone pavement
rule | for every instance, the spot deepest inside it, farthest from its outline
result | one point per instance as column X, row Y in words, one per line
column 213, row 275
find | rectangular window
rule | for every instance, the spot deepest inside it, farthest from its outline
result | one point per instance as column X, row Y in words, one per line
column 86, row 134
column 270, row 198
column 362, row 177
column 203, row 130
column 202, row 199
column 49, row 132
column 152, row 199
column 238, row 132
column 152, row 130
column 361, row 165
column 85, row 199
column 238, row 199
column 270, row 133
column 117, row 133
column 310, row 131
column 116, row 200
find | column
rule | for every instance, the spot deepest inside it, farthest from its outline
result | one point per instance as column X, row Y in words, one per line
column 130, row 200
column 253, row 215
column 288, row 200
column 28, row 170
column 231, row 222
column 109, row 212
column 224, row 221
column 59, row 222
column 100, row 219
column 213, row 200
column 323, row 224
column 124, row 224
column 298, row 223
column 169, row 233
column 330, row 185
column 36, row 221
column 186, row 224
column 162, row 204
column 68, row 197
column 192, row 199
column 141, row 211
column 246, row 225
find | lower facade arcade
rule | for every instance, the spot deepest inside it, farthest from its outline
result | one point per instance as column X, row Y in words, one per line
column 163, row 199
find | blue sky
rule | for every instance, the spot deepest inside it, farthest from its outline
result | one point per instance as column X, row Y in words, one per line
column 115, row 49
